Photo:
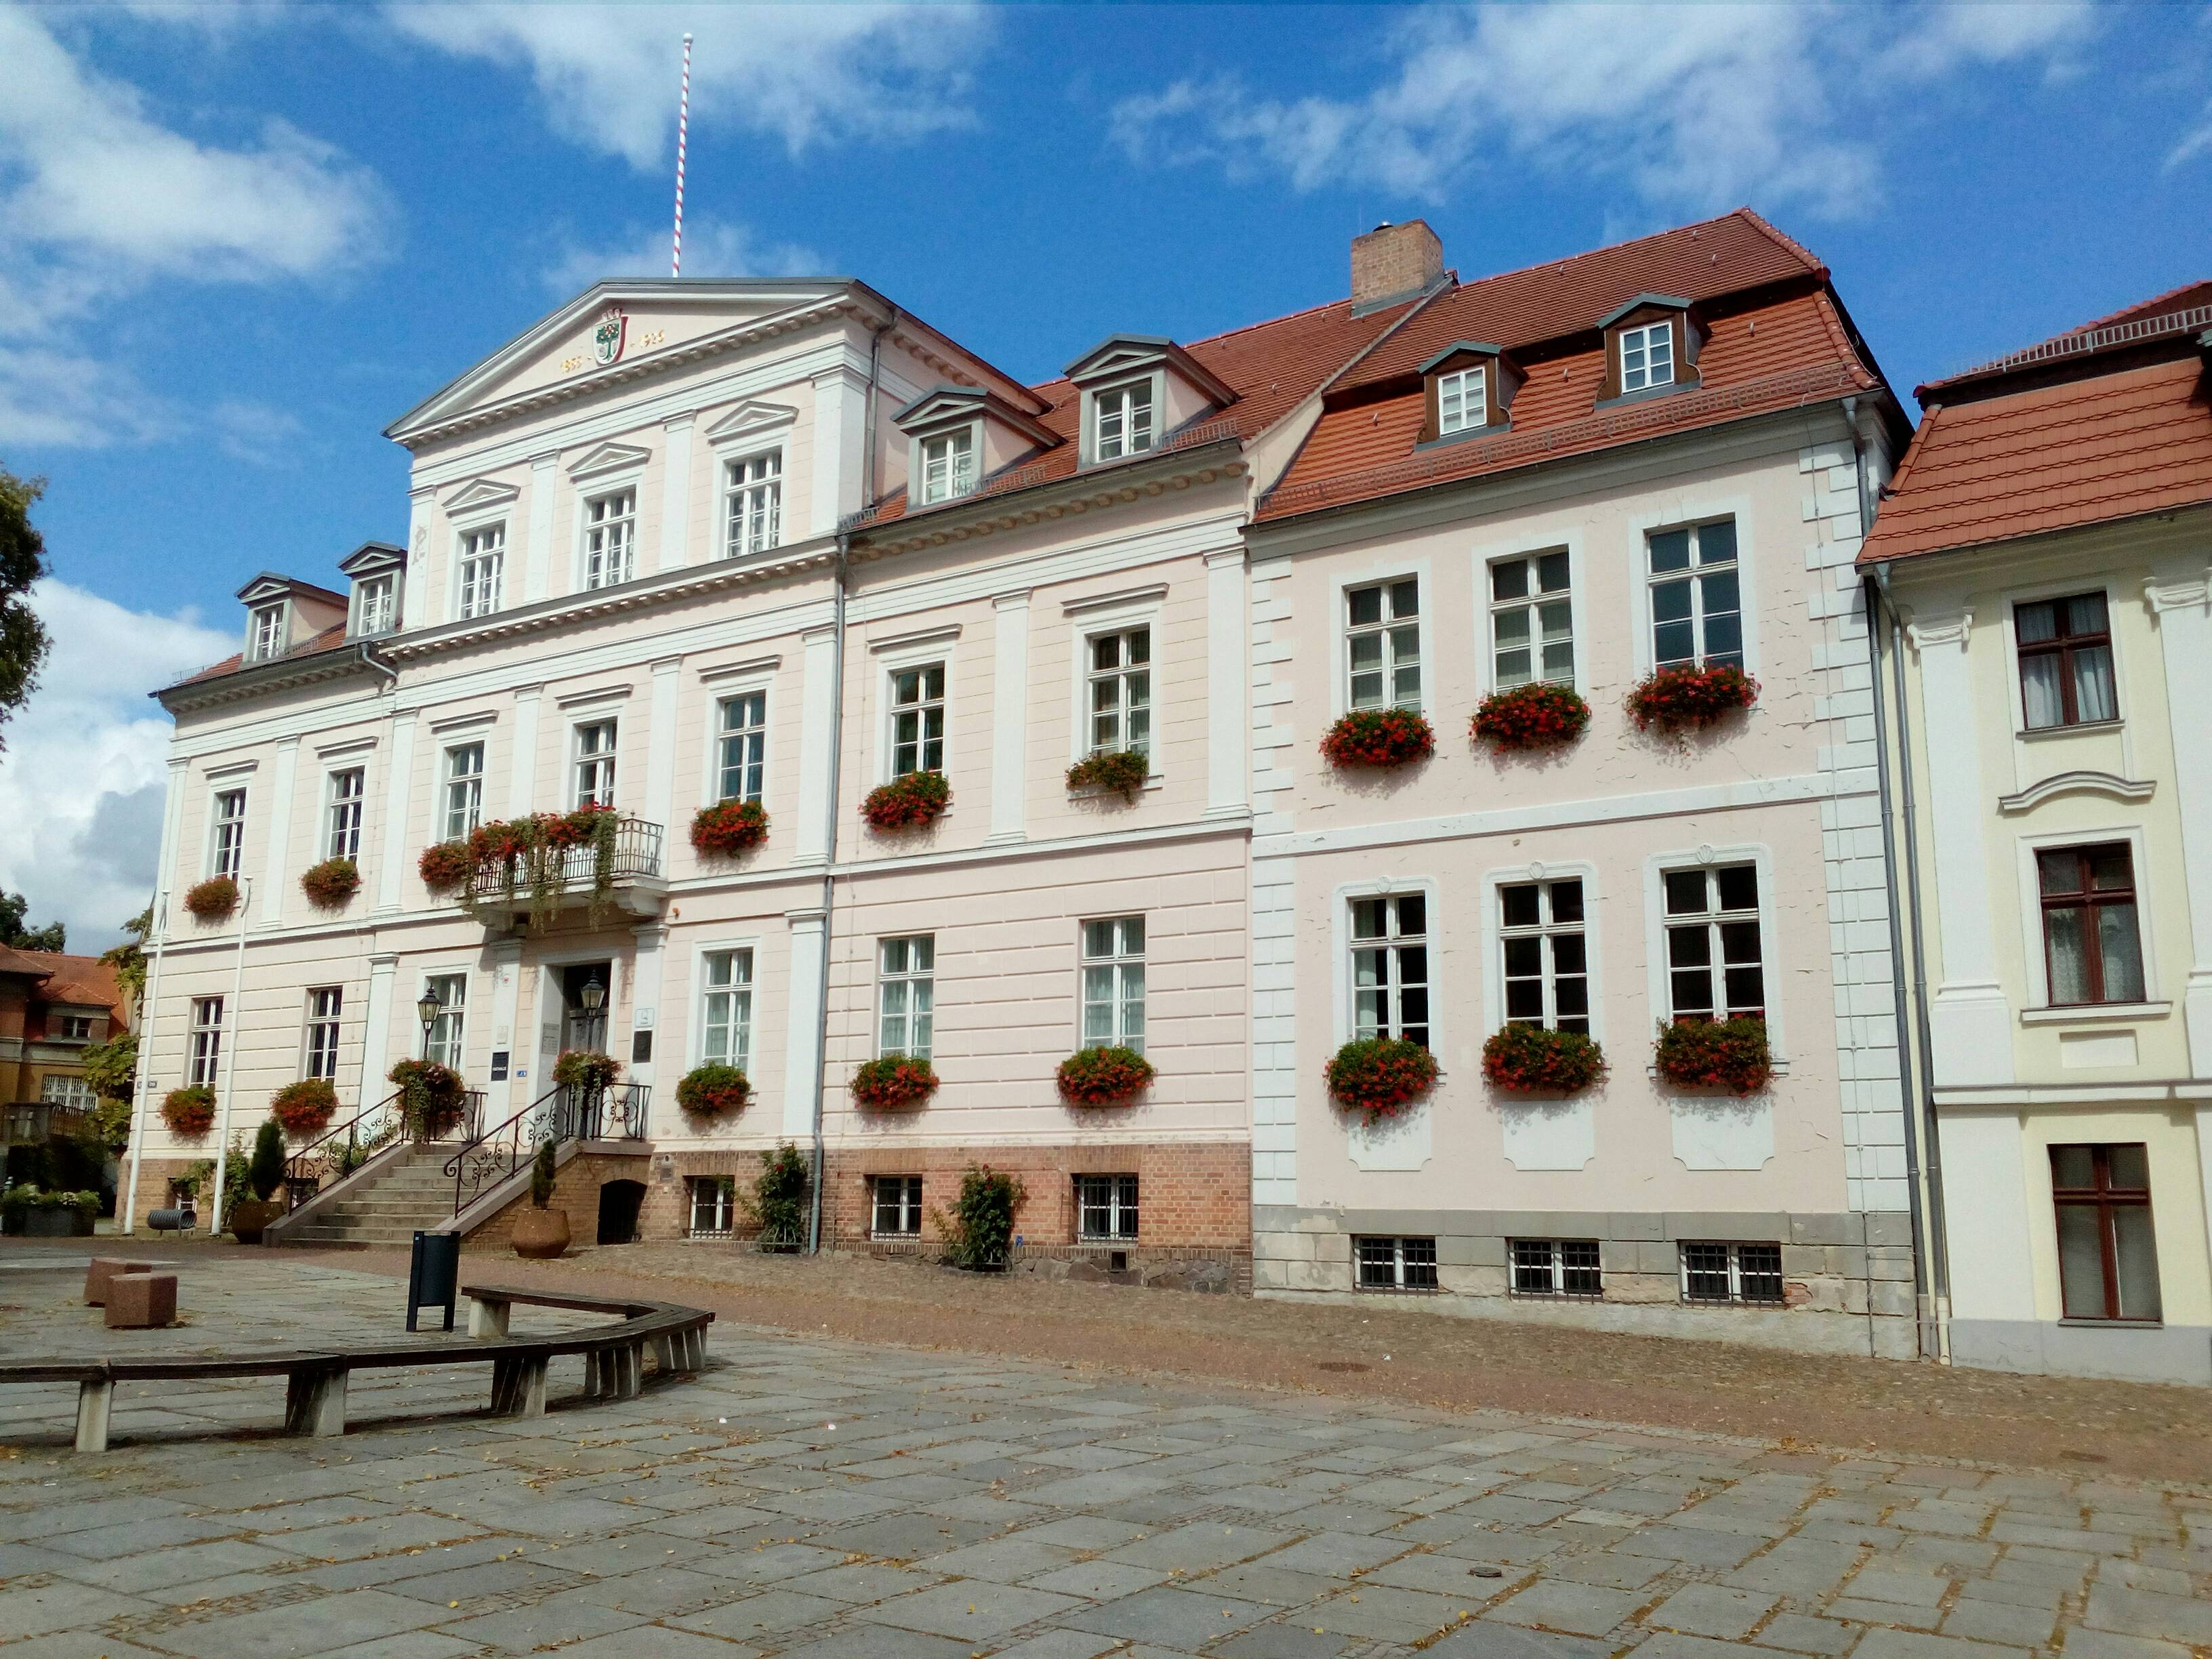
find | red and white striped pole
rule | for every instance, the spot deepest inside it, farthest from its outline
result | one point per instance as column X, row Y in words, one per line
column 683, row 125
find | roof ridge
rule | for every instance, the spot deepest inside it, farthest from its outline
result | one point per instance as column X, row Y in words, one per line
column 1781, row 237
column 2113, row 316
column 1611, row 247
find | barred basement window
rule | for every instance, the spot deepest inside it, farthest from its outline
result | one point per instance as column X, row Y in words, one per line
column 1732, row 1273
column 713, row 1205
column 897, row 1202
column 1396, row 1264
column 1556, row 1267
column 1106, row 1206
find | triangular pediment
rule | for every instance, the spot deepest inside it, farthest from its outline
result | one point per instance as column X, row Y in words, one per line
column 373, row 559
column 609, row 458
column 479, row 493
column 266, row 587
column 1137, row 354
column 753, row 419
column 943, row 403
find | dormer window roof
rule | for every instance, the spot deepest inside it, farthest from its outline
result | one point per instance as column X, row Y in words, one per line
column 378, row 570
column 1650, row 346
column 280, row 610
column 1469, row 387
column 957, row 434
column 1137, row 389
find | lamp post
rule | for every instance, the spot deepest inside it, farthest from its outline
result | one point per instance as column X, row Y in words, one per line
column 428, row 1008
column 595, row 996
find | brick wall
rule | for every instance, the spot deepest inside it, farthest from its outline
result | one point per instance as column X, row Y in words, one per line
column 576, row 1189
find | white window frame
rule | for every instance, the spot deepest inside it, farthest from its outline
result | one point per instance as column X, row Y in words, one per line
column 719, row 732
column 730, row 483
column 1492, row 607
column 1643, row 332
column 345, row 816
column 2016, row 698
column 1126, row 1190
column 471, row 815
column 1088, row 636
column 725, row 1207
column 231, row 861
column 1398, row 1264
column 1110, row 614
column 273, row 620
column 465, row 531
column 599, row 764
column 449, row 1033
column 587, row 527
column 1773, row 961
column 958, row 481
column 1093, row 411
column 909, row 976
column 1120, row 964
column 1344, row 997
column 1473, row 387
column 889, row 667
column 1677, row 515
column 74, row 1094
column 743, row 956
column 910, row 1204
column 1566, row 537
column 366, row 624
column 1691, row 578
column 322, row 1031
column 2029, row 889
column 1339, row 629
column 203, row 1041
column 1493, row 935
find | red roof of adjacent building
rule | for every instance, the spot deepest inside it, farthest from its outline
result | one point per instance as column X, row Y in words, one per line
column 329, row 639
column 86, row 981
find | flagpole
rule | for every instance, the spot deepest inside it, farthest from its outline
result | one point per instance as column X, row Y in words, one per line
column 683, row 125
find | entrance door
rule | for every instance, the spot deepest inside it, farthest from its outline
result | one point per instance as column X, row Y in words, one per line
column 619, row 1204
column 581, row 1027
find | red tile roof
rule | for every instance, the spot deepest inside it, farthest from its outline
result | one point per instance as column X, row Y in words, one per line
column 329, row 639
column 85, row 980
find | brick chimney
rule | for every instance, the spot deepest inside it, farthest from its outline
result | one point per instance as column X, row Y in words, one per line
column 1392, row 263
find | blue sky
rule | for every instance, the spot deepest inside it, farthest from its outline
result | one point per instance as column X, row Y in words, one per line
column 242, row 238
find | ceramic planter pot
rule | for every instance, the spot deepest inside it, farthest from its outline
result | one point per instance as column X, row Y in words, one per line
column 540, row 1235
column 250, row 1218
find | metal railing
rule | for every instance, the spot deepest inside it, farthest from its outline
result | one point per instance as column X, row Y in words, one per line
column 564, row 1112
column 2193, row 319
column 368, row 1134
column 634, row 855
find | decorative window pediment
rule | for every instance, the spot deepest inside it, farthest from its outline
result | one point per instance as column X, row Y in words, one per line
column 1122, row 356
column 480, row 495
column 607, row 460
column 753, row 419
column 265, row 589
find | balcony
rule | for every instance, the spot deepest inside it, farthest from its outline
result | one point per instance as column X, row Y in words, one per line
column 624, row 873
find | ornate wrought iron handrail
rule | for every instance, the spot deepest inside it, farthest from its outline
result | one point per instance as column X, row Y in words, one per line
column 563, row 1112
column 636, row 855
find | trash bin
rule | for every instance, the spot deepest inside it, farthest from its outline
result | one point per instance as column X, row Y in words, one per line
column 433, row 1274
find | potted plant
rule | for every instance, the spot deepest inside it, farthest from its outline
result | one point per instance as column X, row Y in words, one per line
column 305, row 1108
column 728, row 828
column 893, row 1083
column 264, row 1173
column 778, row 1204
column 979, row 1234
column 1378, row 737
column 1728, row 1055
column 35, row 1214
column 433, row 1097
column 190, row 1111
column 541, row 1233
column 1538, row 715
column 1531, row 1059
column 1687, row 697
column 1123, row 770
column 1111, row 1076
column 586, row 1069
column 1380, row 1077
column 907, row 803
column 330, row 884
column 712, row 1090
column 212, row 900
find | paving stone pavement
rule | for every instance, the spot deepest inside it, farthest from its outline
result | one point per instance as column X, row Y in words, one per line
column 821, row 1500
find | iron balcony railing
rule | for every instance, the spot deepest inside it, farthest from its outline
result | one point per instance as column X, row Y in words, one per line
column 366, row 1136
column 564, row 1112
column 633, row 856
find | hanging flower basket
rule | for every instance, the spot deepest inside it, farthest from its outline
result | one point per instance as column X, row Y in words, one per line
column 213, row 899
column 190, row 1111
column 1380, row 1076
column 1375, row 738
column 1728, row 1055
column 908, row 803
column 1104, row 1077
column 1687, row 698
column 728, row 828
column 432, row 1098
column 304, row 1107
column 1123, row 770
column 330, row 884
column 446, row 866
column 586, row 1069
column 1528, row 1060
column 893, row 1083
column 1538, row 715
column 712, row 1091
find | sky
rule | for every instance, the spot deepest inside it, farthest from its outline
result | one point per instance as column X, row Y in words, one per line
column 239, row 239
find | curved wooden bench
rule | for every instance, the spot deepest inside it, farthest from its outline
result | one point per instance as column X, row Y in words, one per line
column 315, row 1390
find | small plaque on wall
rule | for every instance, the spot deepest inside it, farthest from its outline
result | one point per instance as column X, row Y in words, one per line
column 640, row 1048
column 499, row 1058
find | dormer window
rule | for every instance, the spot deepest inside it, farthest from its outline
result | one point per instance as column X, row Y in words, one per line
column 267, row 637
column 376, row 606
column 1467, row 387
column 1462, row 401
column 948, row 465
column 1647, row 356
column 1121, row 421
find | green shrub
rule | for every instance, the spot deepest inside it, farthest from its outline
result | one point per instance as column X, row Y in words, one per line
column 979, row 1234
column 264, row 1170
column 778, row 1203
column 541, row 1175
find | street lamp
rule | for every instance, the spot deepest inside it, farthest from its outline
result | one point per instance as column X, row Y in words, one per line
column 428, row 1008
column 595, row 996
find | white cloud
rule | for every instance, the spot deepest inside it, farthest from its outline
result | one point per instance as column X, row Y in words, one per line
column 82, row 778
column 712, row 247
column 56, row 397
column 806, row 73
column 2197, row 141
column 1700, row 106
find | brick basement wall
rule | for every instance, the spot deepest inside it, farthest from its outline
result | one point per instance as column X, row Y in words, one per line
column 576, row 1189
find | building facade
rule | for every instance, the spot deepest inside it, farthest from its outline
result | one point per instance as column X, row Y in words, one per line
column 52, row 1007
column 2052, row 628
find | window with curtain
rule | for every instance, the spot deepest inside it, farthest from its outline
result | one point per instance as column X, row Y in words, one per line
column 1382, row 645
column 2065, row 661
column 742, row 756
column 906, row 996
column 1390, row 968
column 1114, row 984
column 2107, row 1257
column 726, row 1012
column 2092, row 943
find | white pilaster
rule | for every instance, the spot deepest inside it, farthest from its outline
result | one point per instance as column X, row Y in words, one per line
column 376, row 1030
column 802, row 1074
column 1969, row 1018
column 675, row 494
column 1985, row 1213
column 817, row 711
column 1010, row 719
column 172, row 815
column 392, row 867
column 537, row 550
column 503, row 1099
column 2183, row 612
column 421, row 598
column 645, row 1015
column 660, row 749
column 522, row 773
column 1227, row 628
column 840, row 405
column 283, row 780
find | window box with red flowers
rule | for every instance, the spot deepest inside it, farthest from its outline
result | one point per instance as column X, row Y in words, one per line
column 1730, row 1056
column 329, row 885
column 909, row 802
column 1687, row 697
column 212, row 900
column 1538, row 715
column 1378, row 737
column 1121, row 771
column 728, row 828
column 189, row 1112
column 304, row 1107
column 713, row 1091
column 893, row 1083
column 446, row 867
column 1111, row 1076
column 1532, row 1060
column 528, row 857
column 1380, row 1077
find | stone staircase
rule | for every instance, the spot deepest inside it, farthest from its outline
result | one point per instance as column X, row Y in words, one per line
column 384, row 1211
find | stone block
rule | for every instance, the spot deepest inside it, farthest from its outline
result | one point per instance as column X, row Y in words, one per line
column 102, row 1272
column 141, row 1302
column 1825, row 1229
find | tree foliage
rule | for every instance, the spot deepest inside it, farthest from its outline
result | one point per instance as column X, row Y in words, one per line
column 23, row 641
column 128, row 959
column 14, row 907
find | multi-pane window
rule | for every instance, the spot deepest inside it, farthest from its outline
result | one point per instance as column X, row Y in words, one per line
column 341, row 826
column 70, row 1027
column 1382, row 645
column 465, row 773
column 2107, row 1257
column 450, row 1029
column 2092, row 943
column 1121, row 691
column 377, row 609
column 1390, row 968
column 906, row 995
column 948, row 465
column 1114, row 984
column 268, row 632
column 1731, row 1272
column 206, row 1039
column 752, row 504
column 2065, row 661
column 73, row 1092
column 610, row 534
column 1121, row 420
column 918, row 720
column 1532, row 621
column 1647, row 356
column 1715, row 968
column 725, row 1008
column 483, row 561
column 1557, row 1266
column 229, row 848
column 1697, row 604
column 1545, row 961
column 741, row 746
column 896, row 1207
column 595, row 764
column 1106, row 1206
column 1462, row 402
column 1396, row 1264
column 713, row 1205
column 324, row 1005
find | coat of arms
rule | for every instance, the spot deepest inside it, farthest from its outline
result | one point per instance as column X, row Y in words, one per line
column 607, row 337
